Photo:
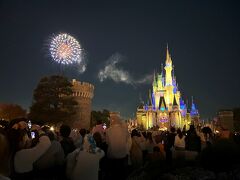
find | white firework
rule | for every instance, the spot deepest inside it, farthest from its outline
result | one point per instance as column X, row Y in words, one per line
column 65, row 49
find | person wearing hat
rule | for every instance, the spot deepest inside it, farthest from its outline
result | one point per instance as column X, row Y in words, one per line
column 83, row 163
column 117, row 139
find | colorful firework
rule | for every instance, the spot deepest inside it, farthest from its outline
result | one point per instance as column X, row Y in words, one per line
column 65, row 49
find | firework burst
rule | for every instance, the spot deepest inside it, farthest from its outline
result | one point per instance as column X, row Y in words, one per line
column 65, row 49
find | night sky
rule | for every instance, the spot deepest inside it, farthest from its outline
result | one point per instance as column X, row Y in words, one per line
column 203, row 38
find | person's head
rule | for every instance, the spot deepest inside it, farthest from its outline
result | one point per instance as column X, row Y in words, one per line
column 115, row 119
column 4, row 154
column 83, row 132
column 149, row 136
column 45, row 129
column 24, row 140
column 65, row 131
column 135, row 133
column 144, row 134
column 18, row 123
column 192, row 128
column 179, row 132
column 156, row 149
column 51, row 135
column 98, row 138
column 89, row 144
column 184, row 128
column 172, row 129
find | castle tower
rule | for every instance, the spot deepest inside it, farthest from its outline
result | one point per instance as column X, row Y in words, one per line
column 83, row 94
column 194, row 114
column 168, row 69
column 168, row 81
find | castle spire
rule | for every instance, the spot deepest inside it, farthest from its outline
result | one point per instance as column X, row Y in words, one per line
column 154, row 82
column 187, row 105
column 162, row 69
column 168, row 69
column 154, row 77
column 153, row 100
column 150, row 99
column 168, row 57
column 160, row 82
column 194, row 110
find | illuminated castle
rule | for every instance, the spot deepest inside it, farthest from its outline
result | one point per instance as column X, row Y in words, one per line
column 165, row 107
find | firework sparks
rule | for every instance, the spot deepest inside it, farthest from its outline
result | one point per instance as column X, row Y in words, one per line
column 65, row 49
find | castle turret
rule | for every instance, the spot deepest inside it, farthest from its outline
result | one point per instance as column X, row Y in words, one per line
column 154, row 83
column 83, row 94
column 159, row 82
column 153, row 101
column 168, row 81
column 162, row 73
column 183, row 107
column 194, row 114
column 150, row 98
column 168, row 69
column 194, row 111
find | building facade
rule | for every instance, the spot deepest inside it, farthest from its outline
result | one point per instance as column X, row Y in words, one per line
column 225, row 117
column 83, row 93
column 165, row 106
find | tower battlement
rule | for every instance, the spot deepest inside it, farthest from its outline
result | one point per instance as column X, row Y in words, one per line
column 82, row 89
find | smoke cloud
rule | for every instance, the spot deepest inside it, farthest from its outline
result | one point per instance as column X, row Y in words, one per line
column 112, row 71
column 145, row 80
column 82, row 66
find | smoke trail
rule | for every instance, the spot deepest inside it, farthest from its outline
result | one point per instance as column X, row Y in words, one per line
column 115, row 73
column 147, row 79
column 111, row 71
column 82, row 66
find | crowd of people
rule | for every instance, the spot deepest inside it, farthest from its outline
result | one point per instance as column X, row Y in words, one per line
column 114, row 153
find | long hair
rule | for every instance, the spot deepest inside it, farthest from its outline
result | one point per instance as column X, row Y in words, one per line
column 180, row 134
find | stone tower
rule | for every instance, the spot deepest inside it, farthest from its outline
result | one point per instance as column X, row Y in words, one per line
column 83, row 94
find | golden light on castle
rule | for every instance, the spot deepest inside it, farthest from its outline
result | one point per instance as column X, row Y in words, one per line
column 165, row 106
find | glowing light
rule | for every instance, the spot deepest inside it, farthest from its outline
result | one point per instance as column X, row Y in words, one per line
column 163, row 120
column 194, row 111
column 65, row 49
column 163, row 129
column 29, row 124
column 104, row 126
column 51, row 128
column 153, row 101
column 146, row 107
